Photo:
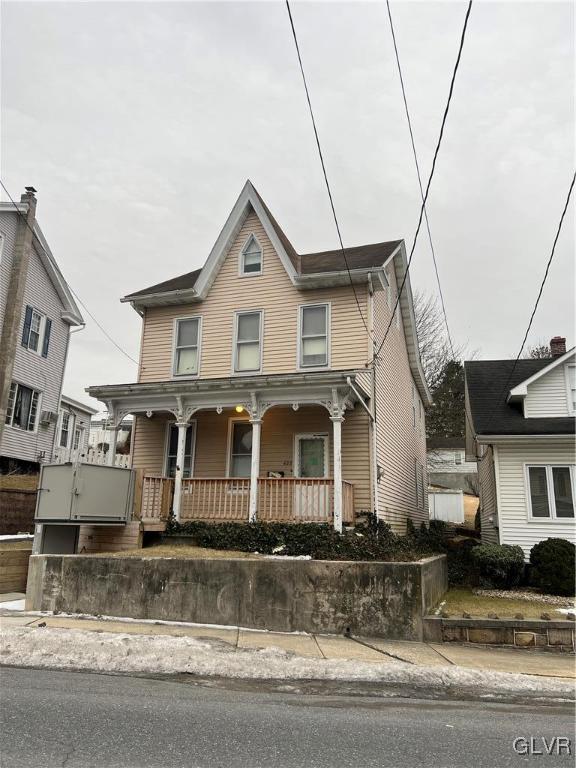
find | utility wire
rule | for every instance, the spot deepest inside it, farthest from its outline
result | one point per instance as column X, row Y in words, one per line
column 542, row 284
column 405, row 99
column 324, row 166
column 104, row 331
column 425, row 198
column 417, row 164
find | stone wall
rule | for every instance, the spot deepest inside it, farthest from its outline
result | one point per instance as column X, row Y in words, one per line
column 554, row 635
column 365, row 598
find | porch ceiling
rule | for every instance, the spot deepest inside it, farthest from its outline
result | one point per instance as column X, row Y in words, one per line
column 255, row 393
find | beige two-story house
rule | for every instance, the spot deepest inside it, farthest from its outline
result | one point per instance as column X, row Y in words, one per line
column 258, row 397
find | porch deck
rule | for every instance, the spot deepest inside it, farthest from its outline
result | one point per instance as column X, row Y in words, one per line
column 219, row 499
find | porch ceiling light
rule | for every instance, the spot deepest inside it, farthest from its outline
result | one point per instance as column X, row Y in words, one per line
column 239, row 408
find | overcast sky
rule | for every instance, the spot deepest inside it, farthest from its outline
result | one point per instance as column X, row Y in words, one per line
column 138, row 123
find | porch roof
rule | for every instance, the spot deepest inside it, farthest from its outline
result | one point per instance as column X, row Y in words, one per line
column 256, row 393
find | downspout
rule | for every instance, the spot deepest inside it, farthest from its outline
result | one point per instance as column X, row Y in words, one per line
column 373, row 420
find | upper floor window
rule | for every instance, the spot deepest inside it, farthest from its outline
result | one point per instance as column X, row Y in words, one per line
column 36, row 331
column 187, row 346
column 248, row 343
column 551, row 491
column 65, row 429
column 314, row 337
column 251, row 258
column 22, row 409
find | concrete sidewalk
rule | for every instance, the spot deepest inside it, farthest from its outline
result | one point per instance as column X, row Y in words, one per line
column 373, row 650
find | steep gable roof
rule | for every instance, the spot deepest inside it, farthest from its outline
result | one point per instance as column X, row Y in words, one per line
column 492, row 413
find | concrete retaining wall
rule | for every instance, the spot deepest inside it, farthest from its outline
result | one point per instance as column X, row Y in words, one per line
column 554, row 635
column 368, row 598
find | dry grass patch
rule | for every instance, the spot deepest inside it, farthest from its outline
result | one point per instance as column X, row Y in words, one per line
column 461, row 599
column 183, row 551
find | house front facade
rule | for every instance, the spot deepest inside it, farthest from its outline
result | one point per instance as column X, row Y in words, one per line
column 522, row 431
column 37, row 313
column 257, row 397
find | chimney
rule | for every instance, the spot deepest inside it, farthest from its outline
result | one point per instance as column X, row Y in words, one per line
column 28, row 195
column 558, row 346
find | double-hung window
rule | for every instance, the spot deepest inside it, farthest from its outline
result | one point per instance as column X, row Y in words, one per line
column 77, row 438
column 248, row 344
column 36, row 331
column 251, row 258
column 65, row 429
column 22, row 407
column 187, row 346
column 551, row 491
column 314, row 336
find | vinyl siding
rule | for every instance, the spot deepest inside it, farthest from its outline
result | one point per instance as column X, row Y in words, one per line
column 515, row 525
column 488, row 502
column 78, row 418
column 279, row 427
column 547, row 396
column 273, row 293
column 399, row 444
column 33, row 370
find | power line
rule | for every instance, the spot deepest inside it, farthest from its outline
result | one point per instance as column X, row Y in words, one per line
column 104, row 331
column 404, row 97
column 425, row 198
column 505, row 388
column 324, row 166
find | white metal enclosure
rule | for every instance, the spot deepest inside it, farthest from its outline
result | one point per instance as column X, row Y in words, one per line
column 84, row 493
column 446, row 505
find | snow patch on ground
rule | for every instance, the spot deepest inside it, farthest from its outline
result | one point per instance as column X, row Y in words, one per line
column 13, row 605
column 161, row 654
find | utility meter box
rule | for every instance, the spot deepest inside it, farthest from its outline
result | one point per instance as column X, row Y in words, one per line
column 84, row 493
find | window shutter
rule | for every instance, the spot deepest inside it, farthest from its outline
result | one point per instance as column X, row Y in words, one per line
column 27, row 323
column 46, row 343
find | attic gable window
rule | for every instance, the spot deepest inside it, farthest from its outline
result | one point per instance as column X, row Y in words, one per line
column 251, row 258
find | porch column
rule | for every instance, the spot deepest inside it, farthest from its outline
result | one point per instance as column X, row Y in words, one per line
column 254, row 469
column 111, row 456
column 337, row 447
column 180, row 458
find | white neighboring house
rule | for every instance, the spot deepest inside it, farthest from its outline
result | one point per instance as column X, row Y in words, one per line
column 448, row 466
column 71, row 440
column 100, row 436
column 523, row 430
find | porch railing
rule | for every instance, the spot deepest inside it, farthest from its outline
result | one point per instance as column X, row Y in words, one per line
column 286, row 499
column 156, row 493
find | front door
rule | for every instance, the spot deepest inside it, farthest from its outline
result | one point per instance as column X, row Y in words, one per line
column 311, row 498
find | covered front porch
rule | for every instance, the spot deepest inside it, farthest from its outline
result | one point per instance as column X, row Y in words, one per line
column 278, row 448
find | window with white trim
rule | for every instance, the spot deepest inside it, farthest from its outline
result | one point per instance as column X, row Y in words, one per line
column 22, row 407
column 571, row 386
column 313, row 341
column 64, row 429
column 551, row 491
column 251, row 258
column 187, row 346
column 248, row 345
column 240, row 449
column 77, row 436
column 36, row 331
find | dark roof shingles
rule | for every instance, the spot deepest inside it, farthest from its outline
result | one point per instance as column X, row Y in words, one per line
column 492, row 414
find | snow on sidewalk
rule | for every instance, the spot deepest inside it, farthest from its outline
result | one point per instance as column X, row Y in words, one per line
column 164, row 654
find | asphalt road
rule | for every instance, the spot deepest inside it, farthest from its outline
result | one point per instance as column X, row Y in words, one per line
column 70, row 719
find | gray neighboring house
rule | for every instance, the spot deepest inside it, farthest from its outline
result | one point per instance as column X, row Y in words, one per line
column 37, row 313
column 448, row 466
